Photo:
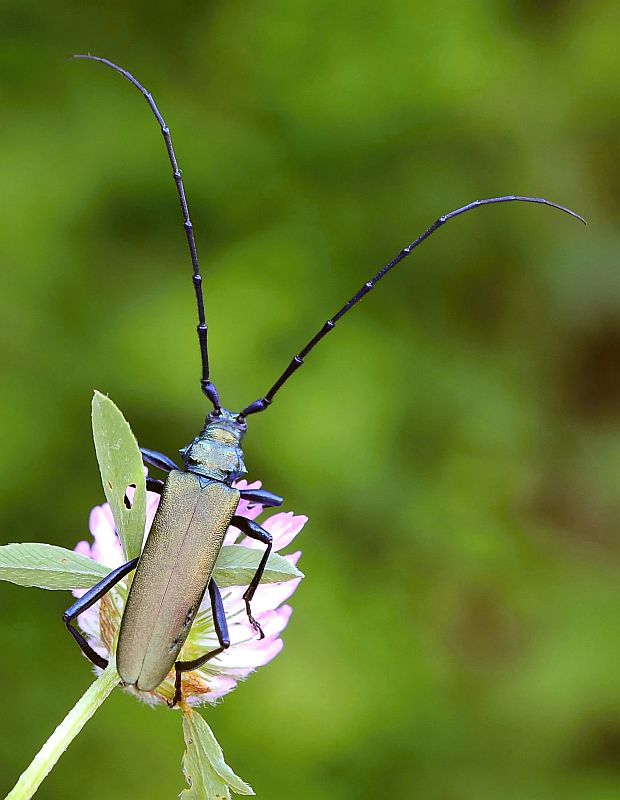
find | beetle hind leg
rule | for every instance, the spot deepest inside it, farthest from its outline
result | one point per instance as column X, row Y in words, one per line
column 221, row 629
column 254, row 531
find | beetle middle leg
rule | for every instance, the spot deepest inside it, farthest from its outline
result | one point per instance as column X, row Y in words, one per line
column 89, row 599
column 261, row 497
column 254, row 531
column 221, row 629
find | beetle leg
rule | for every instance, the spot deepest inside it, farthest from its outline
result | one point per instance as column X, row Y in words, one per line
column 261, row 497
column 221, row 629
column 154, row 485
column 254, row 531
column 157, row 460
column 89, row 599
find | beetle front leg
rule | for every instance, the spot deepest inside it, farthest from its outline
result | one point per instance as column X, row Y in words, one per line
column 221, row 629
column 89, row 599
column 254, row 531
column 157, row 460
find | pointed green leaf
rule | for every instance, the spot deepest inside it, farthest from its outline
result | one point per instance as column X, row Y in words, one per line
column 236, row 566
column 208, row 776
column 120, row 463
column 48, row 567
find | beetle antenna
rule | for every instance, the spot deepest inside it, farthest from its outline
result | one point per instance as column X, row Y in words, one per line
column 207, row 387
column 264, row 402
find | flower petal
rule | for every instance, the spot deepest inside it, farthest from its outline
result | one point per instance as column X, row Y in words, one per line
column 244, row 660
column 243, row 484
column 269, row 596
column 293, row 558
column 106, row 548
column 219, row 685
column 283, row 526
column 83, row 548
column 244, row 509
column 101, row 518
column 152, row 503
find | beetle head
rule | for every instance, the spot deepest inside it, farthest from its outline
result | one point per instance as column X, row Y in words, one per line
column 216, row 453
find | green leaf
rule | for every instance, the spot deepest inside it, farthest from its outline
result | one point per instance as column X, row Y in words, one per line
column 236, row 566
column 48, row 567
column 208, row 776
column 120, row 463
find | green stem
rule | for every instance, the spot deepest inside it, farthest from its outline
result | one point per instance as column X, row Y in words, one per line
column 30, row 780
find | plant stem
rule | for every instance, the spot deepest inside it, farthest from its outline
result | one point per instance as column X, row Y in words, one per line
column 42, row 764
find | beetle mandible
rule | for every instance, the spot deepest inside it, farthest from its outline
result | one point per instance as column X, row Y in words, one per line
column 198, row 502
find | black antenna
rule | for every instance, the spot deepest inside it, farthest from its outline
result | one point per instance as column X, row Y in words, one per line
column 207, row 387
column 264, row 402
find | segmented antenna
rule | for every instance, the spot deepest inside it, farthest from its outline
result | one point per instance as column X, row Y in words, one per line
column 264, row 402
column 207, row 387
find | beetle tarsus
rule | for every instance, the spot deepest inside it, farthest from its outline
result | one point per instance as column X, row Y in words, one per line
column 178, row 691
column 254, row 531
column 256, row 625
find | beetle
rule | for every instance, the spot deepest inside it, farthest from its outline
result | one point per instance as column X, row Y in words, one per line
column 199, row 501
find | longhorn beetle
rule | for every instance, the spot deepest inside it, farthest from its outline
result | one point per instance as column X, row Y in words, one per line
column 198, row 502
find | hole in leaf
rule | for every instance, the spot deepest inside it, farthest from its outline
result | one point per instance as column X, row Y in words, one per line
column 126, row 499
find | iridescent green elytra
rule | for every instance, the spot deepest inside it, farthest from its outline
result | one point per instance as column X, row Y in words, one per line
column 179, row 555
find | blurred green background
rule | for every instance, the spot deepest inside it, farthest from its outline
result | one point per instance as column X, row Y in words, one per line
column 456, row 443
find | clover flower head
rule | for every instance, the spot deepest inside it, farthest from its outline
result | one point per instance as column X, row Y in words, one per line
column 119, row 528
column 220, row 675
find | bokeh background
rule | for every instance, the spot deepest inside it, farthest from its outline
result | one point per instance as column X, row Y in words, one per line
column 456, row 443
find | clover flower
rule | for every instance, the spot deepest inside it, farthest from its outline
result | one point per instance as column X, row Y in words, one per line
column 118, row 534
column 220, row 675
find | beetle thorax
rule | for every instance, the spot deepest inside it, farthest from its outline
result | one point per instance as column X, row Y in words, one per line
column 216, row 453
